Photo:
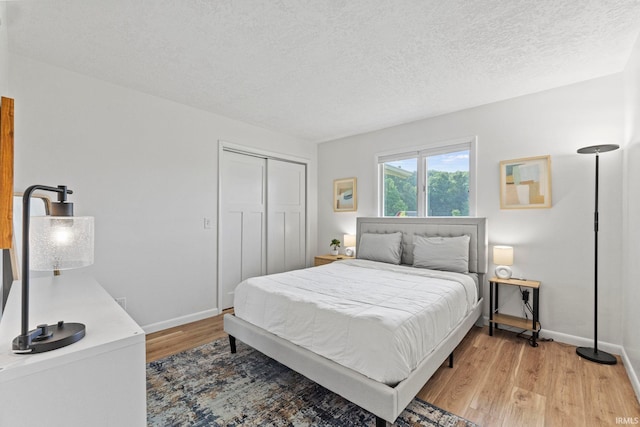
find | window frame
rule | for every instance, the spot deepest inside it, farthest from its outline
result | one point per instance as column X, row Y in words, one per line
column 421, row 153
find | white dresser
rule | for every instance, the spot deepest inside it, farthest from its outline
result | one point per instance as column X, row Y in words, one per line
column 97, row 381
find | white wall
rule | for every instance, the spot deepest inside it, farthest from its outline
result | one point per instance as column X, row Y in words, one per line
column 631, row 228
column 146, row 168
column 4, row 52
column 552, row 245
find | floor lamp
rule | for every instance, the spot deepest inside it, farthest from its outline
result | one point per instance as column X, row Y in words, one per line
column 593, row 354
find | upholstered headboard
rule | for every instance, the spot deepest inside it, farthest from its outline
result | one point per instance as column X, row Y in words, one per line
column 475, row 228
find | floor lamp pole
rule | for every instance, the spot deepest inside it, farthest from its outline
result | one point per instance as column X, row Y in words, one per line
column 595, row 260
column 593, row 354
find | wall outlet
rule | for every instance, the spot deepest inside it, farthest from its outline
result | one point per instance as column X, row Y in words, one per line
column 208, row 223
column 122, row 302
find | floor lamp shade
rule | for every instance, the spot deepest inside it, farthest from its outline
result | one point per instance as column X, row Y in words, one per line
column 592, row 353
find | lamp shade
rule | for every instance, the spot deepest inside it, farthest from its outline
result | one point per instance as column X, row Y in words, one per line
column 60, row 243
column 349, row 240
column 503, row 255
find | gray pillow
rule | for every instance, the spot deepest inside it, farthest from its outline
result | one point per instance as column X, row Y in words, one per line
column 381, row 247
column 442, row 253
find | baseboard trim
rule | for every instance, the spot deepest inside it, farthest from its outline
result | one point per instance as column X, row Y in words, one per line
column 177, row 321
column 633, row 377
column 581, row 342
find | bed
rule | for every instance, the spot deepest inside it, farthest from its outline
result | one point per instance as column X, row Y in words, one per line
column 267, row 311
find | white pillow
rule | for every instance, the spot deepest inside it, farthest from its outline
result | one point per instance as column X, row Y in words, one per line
column 381, row 247
column 442, row 253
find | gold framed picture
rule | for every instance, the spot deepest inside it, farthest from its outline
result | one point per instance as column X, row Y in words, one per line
column 345, row 195
column 525, row 183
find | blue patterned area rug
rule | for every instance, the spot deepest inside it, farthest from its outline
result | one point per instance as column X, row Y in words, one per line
column 209, row 386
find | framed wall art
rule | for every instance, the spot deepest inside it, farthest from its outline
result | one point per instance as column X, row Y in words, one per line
column 345, row 195
column 525, row 183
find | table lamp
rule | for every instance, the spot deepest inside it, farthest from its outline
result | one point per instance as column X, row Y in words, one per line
column 58, row 242
column 349, row 244
column 503, row 258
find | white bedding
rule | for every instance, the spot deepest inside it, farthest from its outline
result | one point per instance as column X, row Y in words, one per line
column 375, row 318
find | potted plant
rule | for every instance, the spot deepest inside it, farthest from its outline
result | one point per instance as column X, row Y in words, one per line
column 335, row 244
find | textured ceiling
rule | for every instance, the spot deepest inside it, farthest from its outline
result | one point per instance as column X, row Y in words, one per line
column 323, row 69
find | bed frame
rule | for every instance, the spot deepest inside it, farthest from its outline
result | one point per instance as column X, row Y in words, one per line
column 384, row 401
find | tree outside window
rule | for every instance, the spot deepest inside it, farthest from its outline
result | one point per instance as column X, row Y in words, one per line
column 447, row 185
column 400, row 191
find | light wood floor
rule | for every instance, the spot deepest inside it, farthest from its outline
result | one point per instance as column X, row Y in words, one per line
column 495, row 381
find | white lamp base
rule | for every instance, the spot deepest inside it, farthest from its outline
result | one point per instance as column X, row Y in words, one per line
column 503, row 272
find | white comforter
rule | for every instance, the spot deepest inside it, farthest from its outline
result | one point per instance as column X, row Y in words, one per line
column 378, row 319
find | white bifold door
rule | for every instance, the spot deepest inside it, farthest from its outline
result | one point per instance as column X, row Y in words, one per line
column 262, row 224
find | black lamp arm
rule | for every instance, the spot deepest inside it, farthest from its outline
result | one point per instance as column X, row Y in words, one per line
column 25, row 339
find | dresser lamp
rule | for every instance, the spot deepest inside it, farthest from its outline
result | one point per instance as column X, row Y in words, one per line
column 349, row 244
column 57, row 242
column 503, row 258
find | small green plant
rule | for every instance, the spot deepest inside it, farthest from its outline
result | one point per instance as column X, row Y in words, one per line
column 335, row 244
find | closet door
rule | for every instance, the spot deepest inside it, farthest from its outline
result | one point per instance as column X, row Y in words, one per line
column 242, row 232
column 286, row 216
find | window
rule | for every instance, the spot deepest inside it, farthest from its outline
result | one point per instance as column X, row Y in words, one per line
column 400, row 190
column 434, row 181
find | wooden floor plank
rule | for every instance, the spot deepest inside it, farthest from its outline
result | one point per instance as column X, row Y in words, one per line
column 496, row 381
column 600, row 393
column 566, row 406
column 524, row 409
column 442, row 376
column 463, row 385
column 494, row 394
column 533, row 370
